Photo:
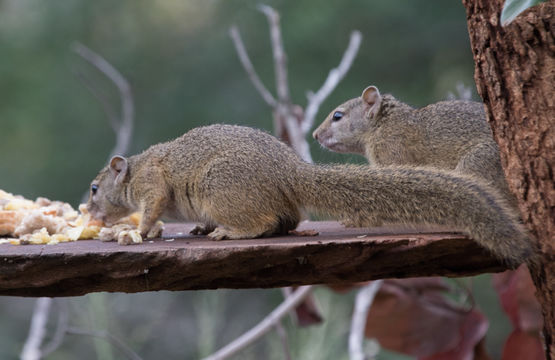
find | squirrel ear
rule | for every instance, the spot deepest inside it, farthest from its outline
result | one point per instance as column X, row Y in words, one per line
column 371, row 95
column 118, row 167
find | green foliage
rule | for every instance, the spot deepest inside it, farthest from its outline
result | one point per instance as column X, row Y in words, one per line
column 513, row 8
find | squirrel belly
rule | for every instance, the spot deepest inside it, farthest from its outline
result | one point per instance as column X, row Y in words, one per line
column 244, row 183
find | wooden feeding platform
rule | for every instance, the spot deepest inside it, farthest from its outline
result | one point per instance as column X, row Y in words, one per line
column 180, row 261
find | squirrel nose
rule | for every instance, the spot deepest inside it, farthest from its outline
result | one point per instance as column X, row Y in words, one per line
column 315, row 134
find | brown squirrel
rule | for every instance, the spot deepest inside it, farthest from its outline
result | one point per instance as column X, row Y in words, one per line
column 451, row 135
column 244, row 183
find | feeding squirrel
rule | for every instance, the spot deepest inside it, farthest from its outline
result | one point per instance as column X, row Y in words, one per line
column 244, row 183
column 452, row 135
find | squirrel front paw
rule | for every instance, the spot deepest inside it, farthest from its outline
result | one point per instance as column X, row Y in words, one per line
column 156, row 230
column 128, row 237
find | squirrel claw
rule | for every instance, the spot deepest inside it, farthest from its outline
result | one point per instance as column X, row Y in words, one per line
column 202, row 229
column 155, row 231
column 218, row 234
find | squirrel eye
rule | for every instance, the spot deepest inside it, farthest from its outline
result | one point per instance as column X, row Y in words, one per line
column 94, row 188
column 337, row 115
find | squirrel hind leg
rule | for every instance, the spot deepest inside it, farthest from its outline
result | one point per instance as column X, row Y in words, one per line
column 256, row 227
column 225, row 233
column 222, row 233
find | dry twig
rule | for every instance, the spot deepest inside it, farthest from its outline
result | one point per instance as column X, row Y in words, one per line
column 126, row 350
column 31, row 349
column 291, row 123
column 123, row 124
column 334, row 77
column 363, row 302
column 125, row 128
column 284, row 111
column 263, row 327
column 283, row 338
column 280, row 59
column 102, row 99
column 61, row 328
column 249, row 68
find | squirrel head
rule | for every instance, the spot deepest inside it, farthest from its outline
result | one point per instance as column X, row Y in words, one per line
column 107, row 200
column 344, row 128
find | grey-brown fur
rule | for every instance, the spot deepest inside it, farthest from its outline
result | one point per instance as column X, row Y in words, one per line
column 451, row 135
column 244, row 183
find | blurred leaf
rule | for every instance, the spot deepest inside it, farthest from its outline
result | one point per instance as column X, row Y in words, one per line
column 307, row 313
column 513, row 8
column 521, row 345
column 417, row 319
column 516, row 292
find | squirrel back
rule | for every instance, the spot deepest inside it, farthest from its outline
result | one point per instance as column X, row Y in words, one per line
column 244, row 183
column 450, row 135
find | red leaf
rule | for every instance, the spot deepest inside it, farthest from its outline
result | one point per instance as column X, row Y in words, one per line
column 308, row 313
column 413, row 317
column 521, row 345
column 472, row 331
column 516, row 292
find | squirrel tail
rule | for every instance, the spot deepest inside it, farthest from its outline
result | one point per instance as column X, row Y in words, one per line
column 370, row 196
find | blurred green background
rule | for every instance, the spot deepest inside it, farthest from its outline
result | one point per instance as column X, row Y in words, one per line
column 184, row 72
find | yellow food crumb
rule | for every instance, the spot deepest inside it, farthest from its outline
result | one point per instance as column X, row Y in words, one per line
column 90, row 232
column 20, row 204
column 74, row 233
column 40, row 237
column 60, row 238
column 45, row 221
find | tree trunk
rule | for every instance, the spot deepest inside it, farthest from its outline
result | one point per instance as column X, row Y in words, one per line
column 515, row 76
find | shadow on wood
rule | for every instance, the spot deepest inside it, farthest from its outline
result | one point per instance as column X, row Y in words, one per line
column 180, row 261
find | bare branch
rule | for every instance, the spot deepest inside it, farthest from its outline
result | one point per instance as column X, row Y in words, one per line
column 334, row 77
column 106, row 106
column 298, row 141
column 280, row 59
column 249, row 68
column 61, row 328
column 287, row 292
column 283, row 338
column 31, row 349
column 126, row 350
column 263, row 327
column 123, row 136
column 363, row 302
column 463, row 92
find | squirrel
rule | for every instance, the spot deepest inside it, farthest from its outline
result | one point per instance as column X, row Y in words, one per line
column 243, row 183
column 451, row 135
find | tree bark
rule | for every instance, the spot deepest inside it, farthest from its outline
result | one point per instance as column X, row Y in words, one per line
column 515, row 76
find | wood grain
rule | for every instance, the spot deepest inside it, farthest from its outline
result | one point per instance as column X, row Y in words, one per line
column 180, row 261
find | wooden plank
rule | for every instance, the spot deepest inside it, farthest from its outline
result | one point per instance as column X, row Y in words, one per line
column 180, row 261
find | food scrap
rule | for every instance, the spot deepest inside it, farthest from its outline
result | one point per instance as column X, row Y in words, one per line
column 23, row 221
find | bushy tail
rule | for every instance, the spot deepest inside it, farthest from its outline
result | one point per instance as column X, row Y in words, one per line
column 370, row 196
